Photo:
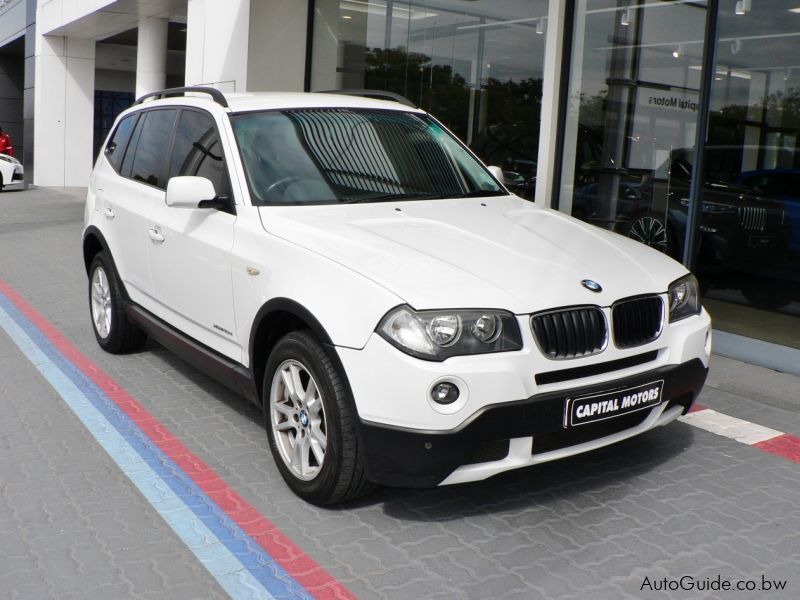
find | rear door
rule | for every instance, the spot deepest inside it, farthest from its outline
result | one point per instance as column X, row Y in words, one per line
column 128, row 185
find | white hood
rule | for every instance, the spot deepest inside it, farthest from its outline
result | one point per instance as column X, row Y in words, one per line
column 498, row 252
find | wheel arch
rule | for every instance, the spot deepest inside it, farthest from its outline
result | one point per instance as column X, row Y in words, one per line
column 94, row 242
column 276, row 318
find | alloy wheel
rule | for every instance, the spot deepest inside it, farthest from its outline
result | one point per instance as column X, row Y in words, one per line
column 101, row 303
column 297, row 418
column 650, row 231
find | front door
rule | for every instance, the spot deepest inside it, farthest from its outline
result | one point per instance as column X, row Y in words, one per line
column 190, row 258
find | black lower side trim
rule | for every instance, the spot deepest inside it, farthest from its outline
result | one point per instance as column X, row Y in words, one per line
column 229, row 373
column 414, row 458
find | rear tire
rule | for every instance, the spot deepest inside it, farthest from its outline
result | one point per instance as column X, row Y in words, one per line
column 113, row 330
column 311, row 424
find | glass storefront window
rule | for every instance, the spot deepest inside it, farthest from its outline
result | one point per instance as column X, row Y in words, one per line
column 476, row 65
column 749, row 252
column 631, row 117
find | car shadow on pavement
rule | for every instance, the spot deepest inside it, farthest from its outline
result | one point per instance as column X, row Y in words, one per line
column 605, row 475
column 215, row 391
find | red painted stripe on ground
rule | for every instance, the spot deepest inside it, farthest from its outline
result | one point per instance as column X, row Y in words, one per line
column 696, row 407
column 786, row 446
column 294, row 561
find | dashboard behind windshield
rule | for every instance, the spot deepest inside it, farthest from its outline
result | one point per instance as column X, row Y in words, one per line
column 343, row 155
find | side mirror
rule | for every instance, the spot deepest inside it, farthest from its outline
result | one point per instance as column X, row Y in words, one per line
column 498, row 174
column 189, row 192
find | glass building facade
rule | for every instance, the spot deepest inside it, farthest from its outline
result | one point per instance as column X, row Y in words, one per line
column 678, row 122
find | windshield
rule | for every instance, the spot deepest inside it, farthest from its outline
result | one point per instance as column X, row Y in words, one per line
column 341, row 155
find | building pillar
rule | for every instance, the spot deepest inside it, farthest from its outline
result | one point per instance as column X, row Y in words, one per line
column 26, row 156
column 277, row 46
column 64, row 110
column 216, row 44
column 546, row 186
column 151, row 56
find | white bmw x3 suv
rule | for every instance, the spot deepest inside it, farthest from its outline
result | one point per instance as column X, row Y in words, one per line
column 352, row 268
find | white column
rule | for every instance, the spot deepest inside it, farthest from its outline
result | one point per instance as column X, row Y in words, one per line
column 151, row 56
column 556, row 23
column 63, row 111
column 216, row 43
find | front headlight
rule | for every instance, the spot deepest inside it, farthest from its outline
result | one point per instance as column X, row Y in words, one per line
column 717, row 208
column 440, row 334
column 684, row 298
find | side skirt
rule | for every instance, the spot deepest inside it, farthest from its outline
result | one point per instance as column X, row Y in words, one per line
column 229, row 373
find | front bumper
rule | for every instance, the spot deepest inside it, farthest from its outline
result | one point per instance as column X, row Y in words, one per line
column 516, row 434
column 17, row 179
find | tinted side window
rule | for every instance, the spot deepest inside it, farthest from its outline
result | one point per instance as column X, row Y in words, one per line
column 148, row 164
column 197, row 151
column 115, row 149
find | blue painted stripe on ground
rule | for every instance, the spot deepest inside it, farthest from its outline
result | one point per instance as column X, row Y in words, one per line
column 229, row 554
column 252, row 556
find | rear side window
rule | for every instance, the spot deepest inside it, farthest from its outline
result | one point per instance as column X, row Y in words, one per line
column 115, row 149
column 197, row 151
column 148, row 163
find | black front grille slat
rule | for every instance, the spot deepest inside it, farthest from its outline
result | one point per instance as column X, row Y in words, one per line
column 637, row 321
column 570, row 332
column 595, row 369
column 571, row 329
column 753, row 218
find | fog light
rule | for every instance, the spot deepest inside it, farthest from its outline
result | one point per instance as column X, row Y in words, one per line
column 444, row 393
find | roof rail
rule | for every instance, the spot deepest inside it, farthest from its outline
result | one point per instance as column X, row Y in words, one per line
column 215, row 94
column 379, row 94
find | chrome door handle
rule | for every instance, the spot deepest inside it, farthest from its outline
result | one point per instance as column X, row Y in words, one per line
column 155, row 235
column 109, row 214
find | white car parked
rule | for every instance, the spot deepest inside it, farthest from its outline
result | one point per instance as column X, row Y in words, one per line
column 11, row 172
column 348, row 265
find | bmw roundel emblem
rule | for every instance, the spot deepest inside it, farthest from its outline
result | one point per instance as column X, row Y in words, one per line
column 592, row 286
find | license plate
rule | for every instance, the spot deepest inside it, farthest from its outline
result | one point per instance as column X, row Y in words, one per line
column 607, row 405
column 760, row 241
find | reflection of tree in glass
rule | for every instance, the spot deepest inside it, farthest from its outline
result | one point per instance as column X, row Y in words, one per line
column 507, row 131
column 433, row 87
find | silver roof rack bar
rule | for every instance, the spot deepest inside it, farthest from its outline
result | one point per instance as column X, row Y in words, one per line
column 378, row 94
column 215, row 94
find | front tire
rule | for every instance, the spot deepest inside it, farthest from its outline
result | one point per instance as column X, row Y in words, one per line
column 114, row 332
column 311, row 424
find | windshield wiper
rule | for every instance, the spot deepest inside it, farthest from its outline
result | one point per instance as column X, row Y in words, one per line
column 479, row 193
column 421, row 196
column 389, row 198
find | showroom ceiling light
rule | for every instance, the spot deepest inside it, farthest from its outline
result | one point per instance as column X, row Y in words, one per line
column 678, row 52
column 625, row 19
column 541, row 25
column 736, row 46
